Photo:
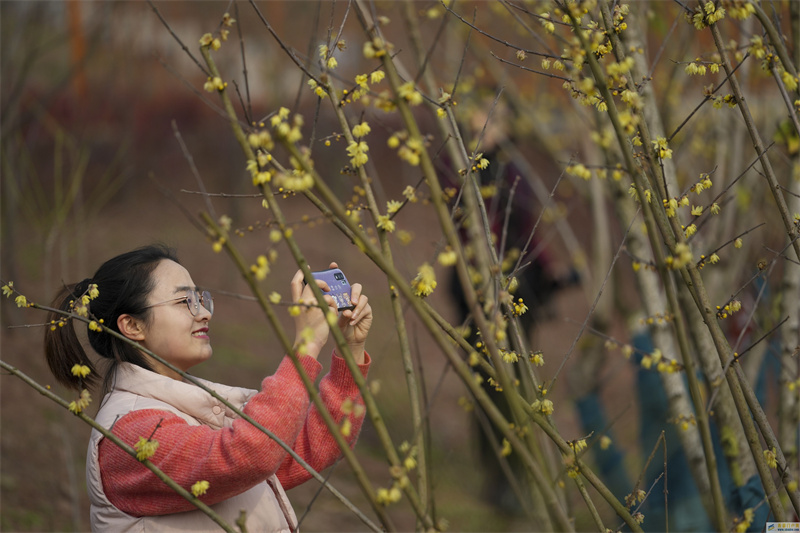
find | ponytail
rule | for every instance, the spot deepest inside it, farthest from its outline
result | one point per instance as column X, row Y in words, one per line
column 62, row 347
column 123, row 284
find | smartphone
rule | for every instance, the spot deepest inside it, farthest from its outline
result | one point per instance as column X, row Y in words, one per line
column 340, row 288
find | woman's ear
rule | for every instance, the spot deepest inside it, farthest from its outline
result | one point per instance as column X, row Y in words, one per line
column 130, row 327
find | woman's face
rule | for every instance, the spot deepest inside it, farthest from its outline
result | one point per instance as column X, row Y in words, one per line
column 172, row 332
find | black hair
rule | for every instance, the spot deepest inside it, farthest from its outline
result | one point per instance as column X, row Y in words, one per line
column 123, row 284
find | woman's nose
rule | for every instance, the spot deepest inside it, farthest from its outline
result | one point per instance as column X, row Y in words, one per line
column 203, row 314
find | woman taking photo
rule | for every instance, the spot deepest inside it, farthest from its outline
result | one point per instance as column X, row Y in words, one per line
column 148, row 297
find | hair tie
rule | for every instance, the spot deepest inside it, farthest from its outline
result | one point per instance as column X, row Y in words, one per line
column 81, row 287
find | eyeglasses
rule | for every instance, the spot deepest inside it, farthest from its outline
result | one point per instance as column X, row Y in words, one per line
column 193, row 301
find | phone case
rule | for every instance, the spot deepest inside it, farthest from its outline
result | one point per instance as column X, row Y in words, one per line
column 340, row 288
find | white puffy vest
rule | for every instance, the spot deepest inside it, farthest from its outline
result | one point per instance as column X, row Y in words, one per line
column 134, row 388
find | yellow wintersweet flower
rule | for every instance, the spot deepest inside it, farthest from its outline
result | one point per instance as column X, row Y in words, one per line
column 404, row 237
column 145, row 448
column 771, row 458
column 543, row 406
column 200, row 488
column 519, row 307
column 94, row 326
column 274, row 298
column 206, row 39
column 261, row 178
column 447, row 257
column 386, row 223
column 738, row 243
column 393, row 206
column 743, row 525
column 8, row 290
column 21, row 301
column 545, row 21
column 346, row 427
column 671, row 207
column 410, row 193
column 358, row 153
column 506, row 451
column 214, row 84
column 662, row 149
column 537, row 358
column 409, row 93
column 360, row 130
column 425, row 282
column 80, row 371
column 377, row 76
column 697, row 210
column 81, row 403
column 261, row 268
column 605, row 442
column 93, row 291
column 387, row 496
column 627, row 351
column 580, row 171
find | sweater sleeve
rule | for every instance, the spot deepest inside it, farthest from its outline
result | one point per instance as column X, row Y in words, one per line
column 315, row 444
column 231, row 459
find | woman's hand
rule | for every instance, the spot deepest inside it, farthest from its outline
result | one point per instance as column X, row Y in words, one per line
column 355, row 323
column 311, row 327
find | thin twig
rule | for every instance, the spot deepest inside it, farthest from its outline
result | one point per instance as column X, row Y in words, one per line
column 461, row 64
column 517, row 65
column 171, row 32
column 707, row 98
column 492, row 37
column 594, row 305
column 193, row 167
column 283, row 46
column 223, row 194
column 249, row 106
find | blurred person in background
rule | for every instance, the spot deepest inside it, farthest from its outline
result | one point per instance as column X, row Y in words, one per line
column 511, row 204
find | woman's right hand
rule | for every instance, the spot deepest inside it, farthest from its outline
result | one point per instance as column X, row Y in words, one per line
column 311, row 327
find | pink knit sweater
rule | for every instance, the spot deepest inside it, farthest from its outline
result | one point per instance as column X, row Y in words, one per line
column 232, row 459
